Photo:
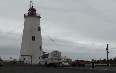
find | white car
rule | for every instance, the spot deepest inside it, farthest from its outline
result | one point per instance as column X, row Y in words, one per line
column 65, row 64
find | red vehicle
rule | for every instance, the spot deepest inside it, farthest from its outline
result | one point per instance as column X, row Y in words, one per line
column 78, row 63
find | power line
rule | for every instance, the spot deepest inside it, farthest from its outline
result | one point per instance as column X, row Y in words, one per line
column 52, row 40
column 10, row 32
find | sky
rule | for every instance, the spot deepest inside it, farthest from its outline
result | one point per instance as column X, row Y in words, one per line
column 81, row 29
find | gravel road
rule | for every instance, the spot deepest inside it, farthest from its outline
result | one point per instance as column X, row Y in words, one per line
column 35, row 69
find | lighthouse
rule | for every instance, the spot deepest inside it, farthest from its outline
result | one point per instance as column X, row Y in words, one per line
column 31, row 46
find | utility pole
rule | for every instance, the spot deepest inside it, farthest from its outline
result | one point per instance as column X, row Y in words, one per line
column 107, row 54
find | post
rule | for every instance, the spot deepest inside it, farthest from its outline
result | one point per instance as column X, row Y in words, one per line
column 107, row 55
column 92, row 64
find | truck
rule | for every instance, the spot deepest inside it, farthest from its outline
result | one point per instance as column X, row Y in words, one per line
column 51, row 59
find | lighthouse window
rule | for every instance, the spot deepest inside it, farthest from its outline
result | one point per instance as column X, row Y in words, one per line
column 39, row 28
column 39, row 57
column 40, row 48
column 33, row 38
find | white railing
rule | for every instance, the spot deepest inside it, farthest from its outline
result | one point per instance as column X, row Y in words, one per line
column 26, row 14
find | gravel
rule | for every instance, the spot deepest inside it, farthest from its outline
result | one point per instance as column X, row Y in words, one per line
column 35, row 69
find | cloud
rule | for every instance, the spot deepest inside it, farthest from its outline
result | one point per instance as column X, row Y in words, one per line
column 11, row 45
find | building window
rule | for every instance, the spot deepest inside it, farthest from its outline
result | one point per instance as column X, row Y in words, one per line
column 39, row 28
column 33, row 38
column 40, row 48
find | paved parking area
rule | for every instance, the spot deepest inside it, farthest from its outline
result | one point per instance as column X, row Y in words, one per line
column 33, row 69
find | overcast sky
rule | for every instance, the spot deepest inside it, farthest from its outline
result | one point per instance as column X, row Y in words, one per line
column 80, row 28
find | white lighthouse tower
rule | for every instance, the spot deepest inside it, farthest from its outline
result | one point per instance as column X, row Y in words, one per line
column 31, row 46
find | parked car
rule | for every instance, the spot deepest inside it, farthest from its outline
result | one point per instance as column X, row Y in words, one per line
column 65, row 64
column 78, row 63
column 1, row 64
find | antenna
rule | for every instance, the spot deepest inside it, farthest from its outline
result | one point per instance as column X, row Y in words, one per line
column 31, row 4
column 107, row 54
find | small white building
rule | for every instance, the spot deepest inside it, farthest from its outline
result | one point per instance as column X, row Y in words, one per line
column 31, row 46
